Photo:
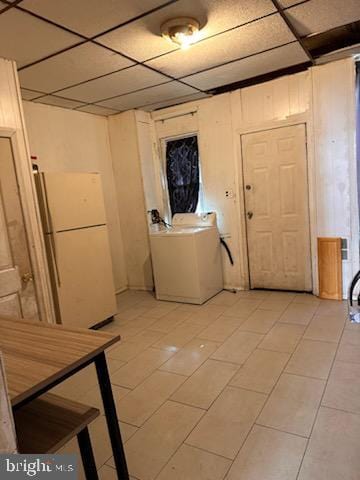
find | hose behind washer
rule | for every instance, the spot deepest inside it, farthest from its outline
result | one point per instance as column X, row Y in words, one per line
column 225, row 245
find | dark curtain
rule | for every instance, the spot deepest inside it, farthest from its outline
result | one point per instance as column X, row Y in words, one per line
column 182, row 171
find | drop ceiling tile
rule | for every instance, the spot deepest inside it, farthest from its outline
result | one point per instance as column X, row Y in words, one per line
column 97, row 110
column 58, row 101
column 119, row 83
column 142, row 39
column 30, row 94
column 90, row 17
column 25, row 38
column 79, row 64
column 149, row 96
column 244, row 41
column 317, row 16
column 260, row 64
column 175, row 101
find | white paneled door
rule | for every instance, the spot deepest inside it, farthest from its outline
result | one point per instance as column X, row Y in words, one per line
column 277, row 208
column 17, row 293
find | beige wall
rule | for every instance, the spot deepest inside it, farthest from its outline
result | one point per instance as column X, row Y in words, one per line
column 131, row 202
column 219, row 122
column 335, row 158
column 323, row 99
column 66, row 140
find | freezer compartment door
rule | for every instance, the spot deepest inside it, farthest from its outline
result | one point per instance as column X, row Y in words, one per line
column 83, row 276
column 72, row 200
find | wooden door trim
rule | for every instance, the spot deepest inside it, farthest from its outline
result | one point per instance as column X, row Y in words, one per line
column 33, row 229
column 311, row 194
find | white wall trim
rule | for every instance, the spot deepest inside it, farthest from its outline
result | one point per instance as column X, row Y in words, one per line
column 312, row 189
column 243, row 273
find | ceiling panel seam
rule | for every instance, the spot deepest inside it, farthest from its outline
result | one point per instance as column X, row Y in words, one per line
column 92, row 39
column 293, row 30
column 54, row 93
column 136, row 62
column 134, row 19
column 85, row 40
column 238, row 59
column 258, row 79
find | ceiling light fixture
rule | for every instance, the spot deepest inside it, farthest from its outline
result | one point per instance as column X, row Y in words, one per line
column 182, row 31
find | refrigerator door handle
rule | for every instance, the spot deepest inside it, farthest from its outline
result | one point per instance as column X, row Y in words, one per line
column 54, row 255
column 52, row 231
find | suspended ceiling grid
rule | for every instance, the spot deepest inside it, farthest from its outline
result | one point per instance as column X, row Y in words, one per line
column 107, row 56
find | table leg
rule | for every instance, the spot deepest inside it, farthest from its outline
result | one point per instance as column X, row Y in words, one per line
column 111, row 417
column 87, row 455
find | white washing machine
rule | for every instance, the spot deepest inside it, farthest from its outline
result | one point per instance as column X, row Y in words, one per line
column 186, row 259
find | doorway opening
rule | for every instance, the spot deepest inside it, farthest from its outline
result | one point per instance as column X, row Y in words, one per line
column 17, row 290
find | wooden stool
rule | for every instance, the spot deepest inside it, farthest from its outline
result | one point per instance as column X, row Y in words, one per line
column 47, row 423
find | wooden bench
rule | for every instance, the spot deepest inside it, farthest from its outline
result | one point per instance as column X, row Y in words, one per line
column 47, row 423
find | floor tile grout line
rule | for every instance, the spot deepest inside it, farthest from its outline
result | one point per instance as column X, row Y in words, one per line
column 268, row 396
column 341, row 410
column 306, row 376
column 184, row 441
column 228, row 384
column 208, row 451
column 266, row 401
column 269, row 427
column 172, row 401
column 320, row 402
column 157, row 368
column 197, row 448
column 217, row 396
column 239, row 387
column 169, row 399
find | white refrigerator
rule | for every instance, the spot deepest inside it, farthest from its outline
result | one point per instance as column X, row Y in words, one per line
column 77, row 243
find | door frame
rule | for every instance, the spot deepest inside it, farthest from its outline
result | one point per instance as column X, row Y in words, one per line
column 32, row 222
column 311, row 195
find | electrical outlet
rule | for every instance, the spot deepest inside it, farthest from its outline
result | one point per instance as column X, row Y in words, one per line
column 229, row 194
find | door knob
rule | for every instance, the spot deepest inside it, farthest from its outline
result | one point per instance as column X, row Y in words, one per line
column 27, row 277
column 248, row 187
column 250, row 215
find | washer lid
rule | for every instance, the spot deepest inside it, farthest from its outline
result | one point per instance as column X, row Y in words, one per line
column 194, row 219
column 178, row 231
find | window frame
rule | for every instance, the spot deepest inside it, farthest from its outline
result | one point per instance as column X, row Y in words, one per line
column 164, row 184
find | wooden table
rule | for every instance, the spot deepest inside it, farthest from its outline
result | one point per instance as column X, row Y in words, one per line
column 39, row 356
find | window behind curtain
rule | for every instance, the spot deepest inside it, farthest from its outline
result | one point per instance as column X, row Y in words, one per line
column 182, row 172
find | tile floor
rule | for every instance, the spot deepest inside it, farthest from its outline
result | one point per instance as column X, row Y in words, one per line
column 250, row 386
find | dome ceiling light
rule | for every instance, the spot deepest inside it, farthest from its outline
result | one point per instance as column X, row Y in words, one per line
column 182, row 31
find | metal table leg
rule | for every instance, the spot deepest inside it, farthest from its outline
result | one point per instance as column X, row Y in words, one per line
column 87, row 455
column 111, row 417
